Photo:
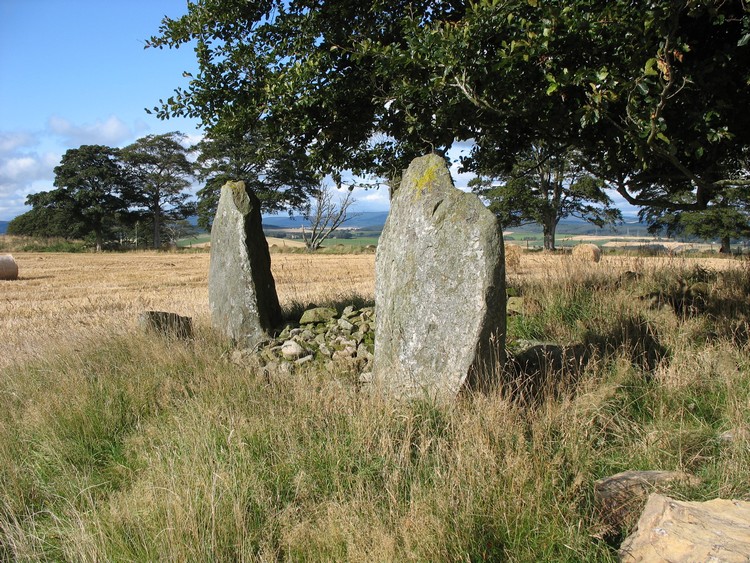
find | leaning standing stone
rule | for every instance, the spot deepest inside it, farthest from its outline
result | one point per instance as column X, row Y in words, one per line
column 439, row 288
column 241, row 290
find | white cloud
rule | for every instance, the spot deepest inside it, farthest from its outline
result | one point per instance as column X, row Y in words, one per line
column 14, row 140
column 461, row 179
column 113, row 131
column 14, row 168
column 28, row 159
column 192, row 139
column 372, row 199
column 22, row 172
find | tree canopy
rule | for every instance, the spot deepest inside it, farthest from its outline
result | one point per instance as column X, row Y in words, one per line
column 546, row 185
column 92, row 189
column 281, row 177
column 652, row 94
column 160, row 172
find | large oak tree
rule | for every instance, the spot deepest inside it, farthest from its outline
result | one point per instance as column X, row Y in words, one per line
column 160, row 174
column 653, row 94
column 278, row 173
column 93, row 189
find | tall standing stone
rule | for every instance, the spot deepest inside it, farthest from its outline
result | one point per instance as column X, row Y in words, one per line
column 241, row 290
column 439, row 288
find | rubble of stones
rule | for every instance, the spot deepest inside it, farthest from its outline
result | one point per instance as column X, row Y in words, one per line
column 342, row 343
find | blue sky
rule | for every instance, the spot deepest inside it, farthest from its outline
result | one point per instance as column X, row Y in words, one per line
column 75, row 72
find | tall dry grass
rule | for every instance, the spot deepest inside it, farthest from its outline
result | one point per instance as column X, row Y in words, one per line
column 130, row 448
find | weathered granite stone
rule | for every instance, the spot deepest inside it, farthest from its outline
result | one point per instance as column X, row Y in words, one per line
column 439, row 288
column 684, row 532
column 241, row 290
column 317, row 315
column 619, row 498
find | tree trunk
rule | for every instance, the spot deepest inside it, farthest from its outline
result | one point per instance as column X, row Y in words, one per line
column 549, row 234
column 726, row 247
column 157, row 230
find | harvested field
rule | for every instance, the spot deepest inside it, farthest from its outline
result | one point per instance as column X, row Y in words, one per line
column 118, row 446
column 63, row 300
column 541, row 266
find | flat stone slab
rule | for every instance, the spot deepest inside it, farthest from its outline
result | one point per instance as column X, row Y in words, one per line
column 439, row 288
column 620, row 498
column 241, row 289
column 686, row 532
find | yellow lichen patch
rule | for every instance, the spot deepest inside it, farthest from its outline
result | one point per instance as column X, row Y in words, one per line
column 428, row 177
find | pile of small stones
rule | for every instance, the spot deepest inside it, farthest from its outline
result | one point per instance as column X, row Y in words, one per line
column 342, row 343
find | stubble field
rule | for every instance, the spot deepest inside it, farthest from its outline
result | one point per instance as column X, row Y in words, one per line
column 63, row 300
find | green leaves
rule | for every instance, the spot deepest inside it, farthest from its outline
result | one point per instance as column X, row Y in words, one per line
column 648, row 68
column 626, row 84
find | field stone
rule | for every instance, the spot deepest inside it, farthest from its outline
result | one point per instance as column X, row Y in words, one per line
column 291, row 350
column 684, row 532
column 317, row 315
column 439, row 288
column 304, row 359
column 166, row 324
column 241, row 289
column 620, row 498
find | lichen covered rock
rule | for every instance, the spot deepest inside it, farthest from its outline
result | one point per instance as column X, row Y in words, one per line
column 439, row 288
column 241, row 289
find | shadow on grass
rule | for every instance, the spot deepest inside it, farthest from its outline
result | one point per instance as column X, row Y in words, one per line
column 545, row 370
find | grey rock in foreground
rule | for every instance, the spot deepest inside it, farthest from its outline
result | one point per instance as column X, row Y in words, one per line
column 241, row 289
column 687, row 532
column 439, row 288
column 166, row 324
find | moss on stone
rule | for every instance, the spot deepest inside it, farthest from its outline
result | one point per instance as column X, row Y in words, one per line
column 239, row 195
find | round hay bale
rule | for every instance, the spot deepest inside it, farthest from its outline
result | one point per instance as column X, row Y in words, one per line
column 587, row 252
column 8, row 268
column 512, row 256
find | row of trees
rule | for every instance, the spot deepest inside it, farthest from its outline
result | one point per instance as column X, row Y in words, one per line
column 103, row 192
column 100, row 190
column 647, row 99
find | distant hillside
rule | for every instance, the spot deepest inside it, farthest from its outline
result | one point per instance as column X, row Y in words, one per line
column 368, row 220
column 375, row 220
column 573, row 226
